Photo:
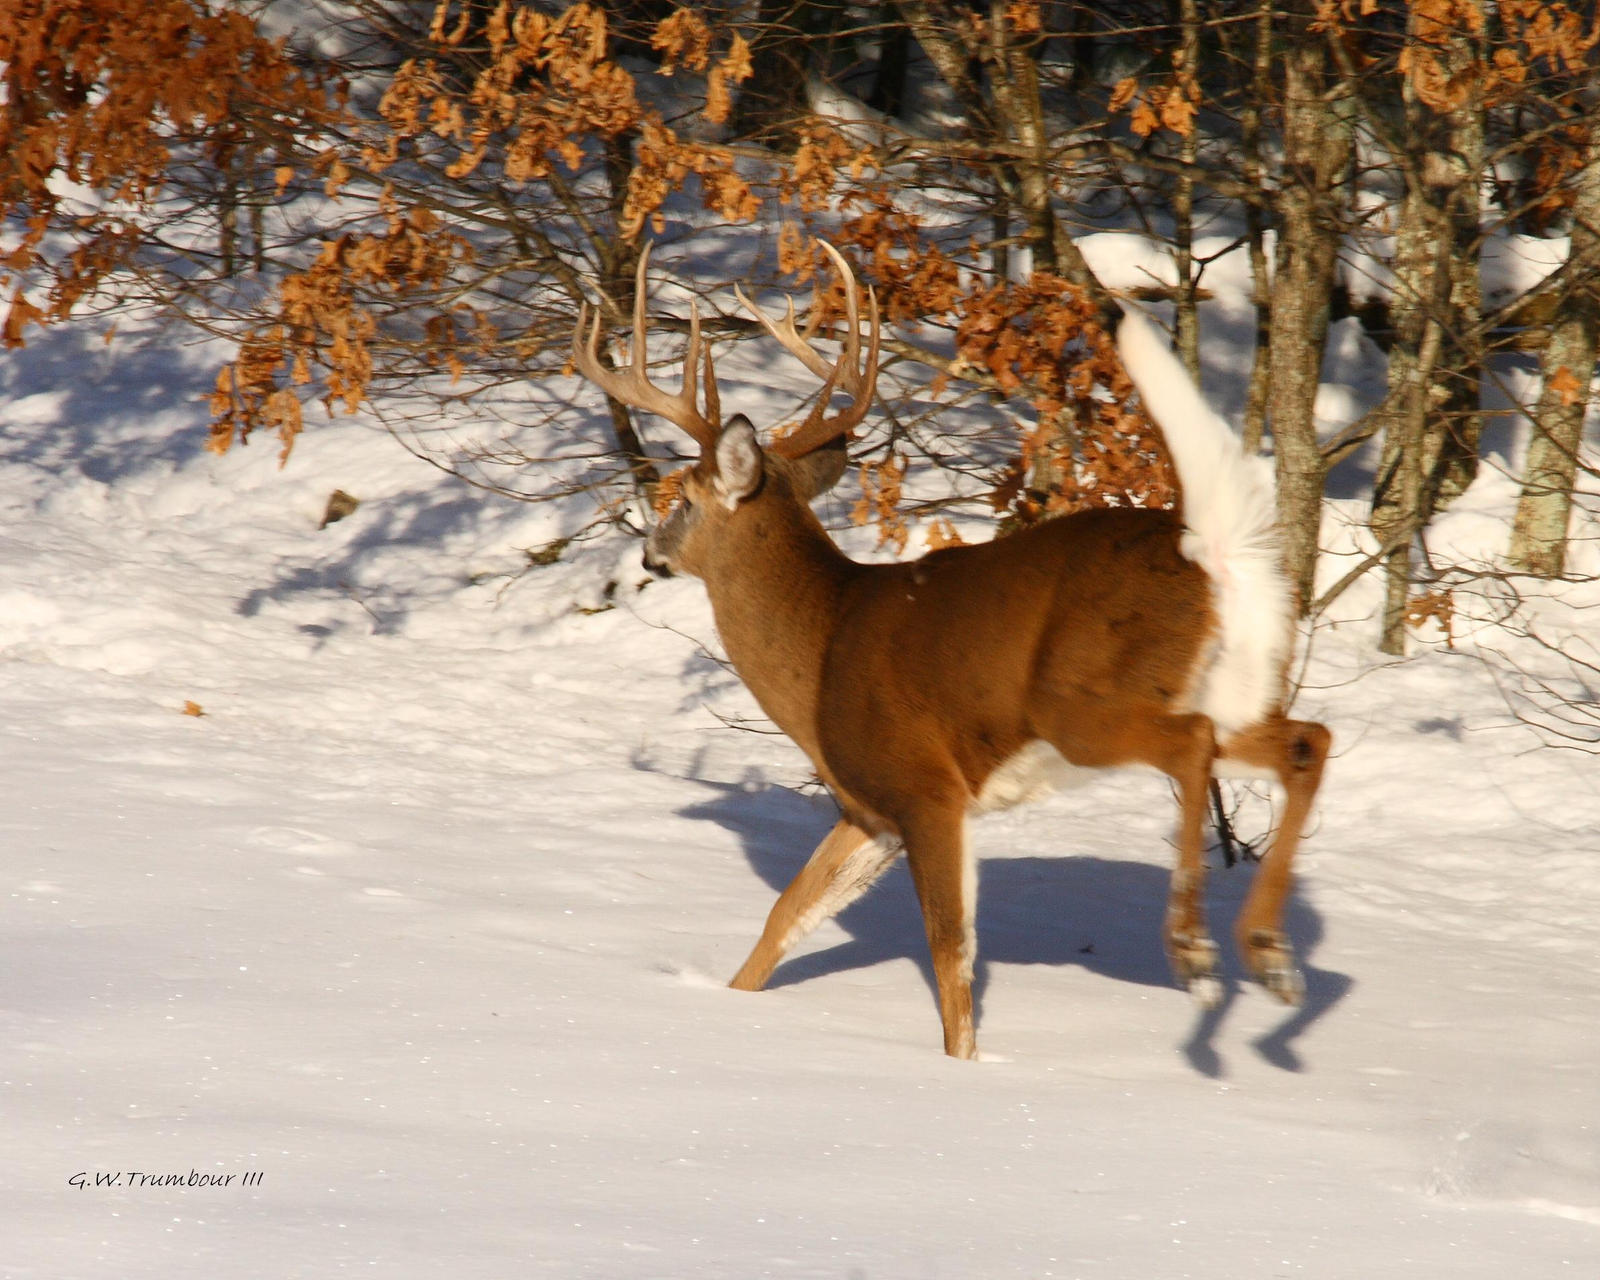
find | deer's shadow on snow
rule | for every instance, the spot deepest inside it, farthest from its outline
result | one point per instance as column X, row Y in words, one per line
column 1100, row 914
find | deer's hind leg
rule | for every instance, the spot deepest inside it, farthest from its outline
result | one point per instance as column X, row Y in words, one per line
column 843, row 867
column 1182, row 746
column 1295, row 752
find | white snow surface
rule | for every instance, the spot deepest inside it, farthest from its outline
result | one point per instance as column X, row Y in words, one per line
column 426, row 920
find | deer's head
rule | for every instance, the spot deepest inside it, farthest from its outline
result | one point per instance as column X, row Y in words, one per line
column 735, row 477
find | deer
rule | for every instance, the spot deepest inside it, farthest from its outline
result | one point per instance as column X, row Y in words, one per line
column 976, row 676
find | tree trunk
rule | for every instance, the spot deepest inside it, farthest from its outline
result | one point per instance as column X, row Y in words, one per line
column 951, row 55
column 894, row 61
column 1453, row 464
column 1015, row 113
column 1420, row 305
column 1005, row 104
column 1408, row 425
column 1187, row 327
column 1317, row 148
column 1014, row 91
column 1437, row 306
column 1539, row 533
column 1256, row 95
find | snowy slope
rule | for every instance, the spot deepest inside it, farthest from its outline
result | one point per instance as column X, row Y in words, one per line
column 425, row 921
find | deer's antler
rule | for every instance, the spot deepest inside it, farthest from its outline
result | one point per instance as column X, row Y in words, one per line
column 631, row 384
column 848, row 373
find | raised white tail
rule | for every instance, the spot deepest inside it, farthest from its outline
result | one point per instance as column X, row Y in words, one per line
column 1230, row 530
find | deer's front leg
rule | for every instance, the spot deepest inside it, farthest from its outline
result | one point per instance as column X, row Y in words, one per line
column 1186, row 746
column 842, row 868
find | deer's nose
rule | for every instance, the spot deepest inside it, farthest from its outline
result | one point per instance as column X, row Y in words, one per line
column 660, row 568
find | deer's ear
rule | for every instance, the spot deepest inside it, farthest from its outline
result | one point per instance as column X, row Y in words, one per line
column 739, row 461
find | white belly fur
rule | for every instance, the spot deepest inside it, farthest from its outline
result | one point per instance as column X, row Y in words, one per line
column 1031, row 774
column 1039, row 769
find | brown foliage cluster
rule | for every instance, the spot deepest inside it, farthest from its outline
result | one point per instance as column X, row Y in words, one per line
column 1550, row 36
column 1460, row 55
column 811, row 176
column 1557, row 157
column 321, row 321
column 1038, row 341
column 1171, row 104
column 99, row 92
column 914, row 276
column 547, row 84
column 548, row 88
column 547, row 92
column 1043, row 339
column 882, row 489
column 1531, row 38
column 686, row 39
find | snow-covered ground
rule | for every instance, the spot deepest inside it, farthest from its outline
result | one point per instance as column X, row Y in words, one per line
column 425, row 919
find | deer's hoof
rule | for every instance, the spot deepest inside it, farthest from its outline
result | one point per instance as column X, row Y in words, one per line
column 1206, row 992
column 1270, row 958
column 1196, row 965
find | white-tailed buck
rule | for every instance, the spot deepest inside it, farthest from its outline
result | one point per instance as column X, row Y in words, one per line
column 927, row 691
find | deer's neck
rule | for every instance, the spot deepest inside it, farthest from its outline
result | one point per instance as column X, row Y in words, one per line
column 777, row 593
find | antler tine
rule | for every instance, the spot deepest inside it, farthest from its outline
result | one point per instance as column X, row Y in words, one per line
column 852, row 318
column 794, row 342
column 713, row 399
column 631, row 384
column 797, row 342
column 847, row 372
